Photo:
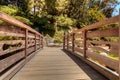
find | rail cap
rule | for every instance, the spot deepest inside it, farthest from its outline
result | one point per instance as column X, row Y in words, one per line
column 11, row 20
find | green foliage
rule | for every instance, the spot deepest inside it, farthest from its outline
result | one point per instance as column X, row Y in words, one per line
column 10, row 10
column 1, row 22
column 9, row 38
column 95, row 15
column 24, row 20
column 58, row 38
column 63, row 20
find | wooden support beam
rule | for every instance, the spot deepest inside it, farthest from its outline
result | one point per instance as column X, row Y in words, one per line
column 35, row 42
column 73, row 42
column 64, row 41
column 39, row 41
column 26, row 42
column 84, row 42
column 67, row 41
column 119, row 44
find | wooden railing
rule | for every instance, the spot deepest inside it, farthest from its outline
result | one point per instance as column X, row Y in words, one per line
column 98, row 45
column 18, row 43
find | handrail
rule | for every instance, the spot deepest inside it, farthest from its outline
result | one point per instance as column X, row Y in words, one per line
column 20, row 44
column 99, row 24
column 15, row 22
column 93, row 46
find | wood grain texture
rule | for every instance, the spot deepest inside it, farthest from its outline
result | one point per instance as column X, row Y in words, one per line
column 112, row 32
column 52, row 64
column 113, row 64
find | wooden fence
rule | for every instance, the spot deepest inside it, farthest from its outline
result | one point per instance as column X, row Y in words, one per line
column 18, row 43
column 98, row 45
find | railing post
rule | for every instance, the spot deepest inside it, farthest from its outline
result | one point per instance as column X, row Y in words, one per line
column 67, row 41
column 64, row 41
column 26, row 42
column 119, row 44
column 84, row 43
column 39, row 41
column 73, row 42
column 35, row 42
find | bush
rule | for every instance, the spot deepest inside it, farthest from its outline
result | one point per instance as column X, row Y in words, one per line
column 24, row 20
column 10, row 10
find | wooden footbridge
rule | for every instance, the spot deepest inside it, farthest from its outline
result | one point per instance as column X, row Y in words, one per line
column 90, row 53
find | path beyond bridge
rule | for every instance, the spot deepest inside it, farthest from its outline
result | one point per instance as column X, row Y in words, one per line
column 56, row 64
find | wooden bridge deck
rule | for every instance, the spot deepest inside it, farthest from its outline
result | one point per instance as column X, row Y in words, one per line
column 55, row 64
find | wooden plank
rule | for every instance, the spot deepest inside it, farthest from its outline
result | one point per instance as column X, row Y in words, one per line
column 99, row 24
column 9, row 74
column 78, row 35
column 73, row 42
column 103, row 42
column 110, row 51
column 30, row 50
column 53, row 64
column 84, row 43
column 119, row 44
column 112, row 32
column 2, row 33
column 79, row 50
column 11, row 50
column 5, row 63
column 114, row 49
column 99, row 48
column 113, row 64
column 11, row 42
column 15, row 22
column 35, row 42
column 67, row 41
column 10, row 29
column 103, row 70
column 26, row 42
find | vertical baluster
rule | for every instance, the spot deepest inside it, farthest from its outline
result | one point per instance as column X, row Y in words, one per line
column 39, row 41
column 68, row 42
column 35, row 42
column 26, row 42
column 84, row 43
column 64, row 41
column 73, row 42
column 42, row 42
column 119, row 44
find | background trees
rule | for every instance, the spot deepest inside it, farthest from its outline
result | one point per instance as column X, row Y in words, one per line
column 54, row 16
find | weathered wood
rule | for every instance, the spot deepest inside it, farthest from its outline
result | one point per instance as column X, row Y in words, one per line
column 99, row 24
column 67, row 41
column 30, row 50
column 55, row 64
column 79, row 50
column 112, row 32
column 119, row 44
column 26, row 42
column 15, row 22
column 11, row 50
column 10, row 42
column 5, row 63
column 2, row 33
column 35, row 42
column 8, row 75
column 99, row 49
column 103, row 70
column 64, row 41
column 73, row 42
column 103, row 42
column 113, row 64
column 84, row 42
